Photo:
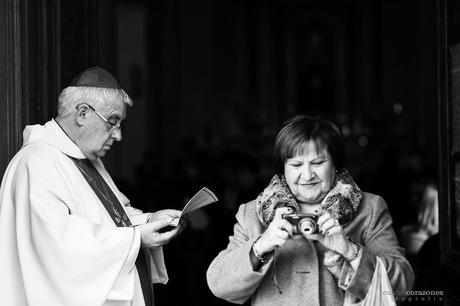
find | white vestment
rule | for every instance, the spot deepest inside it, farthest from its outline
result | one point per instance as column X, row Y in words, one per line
column 58, row 244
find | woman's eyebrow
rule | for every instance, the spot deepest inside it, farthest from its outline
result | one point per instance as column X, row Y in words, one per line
column 320, row 157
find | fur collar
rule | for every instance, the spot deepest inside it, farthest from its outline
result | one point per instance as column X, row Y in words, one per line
column 341, row 202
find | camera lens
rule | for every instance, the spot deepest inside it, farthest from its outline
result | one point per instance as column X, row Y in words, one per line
column 307, row 226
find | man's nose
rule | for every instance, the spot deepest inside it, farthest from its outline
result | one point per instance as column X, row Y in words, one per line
column 117, row 135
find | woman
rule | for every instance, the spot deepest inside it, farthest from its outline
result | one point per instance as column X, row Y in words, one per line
column 271, row 262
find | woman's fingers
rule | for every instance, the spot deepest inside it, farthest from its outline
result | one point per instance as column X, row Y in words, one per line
column 283, row 235
column 282, row 223
column 328, row 224
column 334, row 230
column 277, row 232
column 280, row 211
column 323, row 218
column 285, row 226
column 331, row 234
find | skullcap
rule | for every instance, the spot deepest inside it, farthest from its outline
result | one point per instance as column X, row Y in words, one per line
column 95, row 77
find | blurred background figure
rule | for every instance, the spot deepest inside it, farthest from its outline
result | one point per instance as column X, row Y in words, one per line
column 413, row 236
column 421, row 239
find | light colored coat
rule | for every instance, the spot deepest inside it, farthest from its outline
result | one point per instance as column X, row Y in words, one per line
column 295, row 275
column 58, row 244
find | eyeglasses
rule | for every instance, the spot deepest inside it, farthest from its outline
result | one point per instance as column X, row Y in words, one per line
column 114, row 125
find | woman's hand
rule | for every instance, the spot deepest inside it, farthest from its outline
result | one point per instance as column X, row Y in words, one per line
column 276, row 234
column 332, row 236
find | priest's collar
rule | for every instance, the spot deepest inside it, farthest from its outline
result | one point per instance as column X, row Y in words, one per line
column 62, row 141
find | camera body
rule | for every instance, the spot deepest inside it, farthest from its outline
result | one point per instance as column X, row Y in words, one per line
column 303, row 223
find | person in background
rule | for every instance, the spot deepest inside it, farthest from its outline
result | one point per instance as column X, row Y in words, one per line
column 413, row 236
column 421, row 240
column 273, row 260
column 68, row 236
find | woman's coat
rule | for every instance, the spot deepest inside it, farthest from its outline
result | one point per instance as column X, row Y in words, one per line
column 295, row 274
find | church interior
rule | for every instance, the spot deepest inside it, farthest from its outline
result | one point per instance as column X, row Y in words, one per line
column 213, row 81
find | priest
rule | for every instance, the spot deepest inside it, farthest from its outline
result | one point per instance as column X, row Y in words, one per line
column 68, row 236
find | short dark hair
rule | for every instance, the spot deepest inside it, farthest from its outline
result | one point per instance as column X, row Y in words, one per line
column 300, row 130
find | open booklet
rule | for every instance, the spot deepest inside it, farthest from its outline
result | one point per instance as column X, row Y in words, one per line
column 200, row 199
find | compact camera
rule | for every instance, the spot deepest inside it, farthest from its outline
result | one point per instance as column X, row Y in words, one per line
column 303, row 223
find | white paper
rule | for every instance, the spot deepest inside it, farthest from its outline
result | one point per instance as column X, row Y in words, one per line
column 200, row 199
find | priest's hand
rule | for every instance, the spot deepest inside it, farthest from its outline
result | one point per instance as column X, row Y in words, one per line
column 164, row 214
column 151, row 235
column 169, row 213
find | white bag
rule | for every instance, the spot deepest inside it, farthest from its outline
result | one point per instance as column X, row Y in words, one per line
column 379, row 293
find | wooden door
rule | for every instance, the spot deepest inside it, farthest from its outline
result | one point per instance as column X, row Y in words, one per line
column 449, row 146
column 43, row 44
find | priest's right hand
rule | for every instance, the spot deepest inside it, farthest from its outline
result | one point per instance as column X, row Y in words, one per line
column 151, row 237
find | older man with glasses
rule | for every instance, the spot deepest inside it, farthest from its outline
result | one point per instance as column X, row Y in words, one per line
column 68, row 236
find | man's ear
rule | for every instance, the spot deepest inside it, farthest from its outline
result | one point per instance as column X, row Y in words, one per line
column 81, row 115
